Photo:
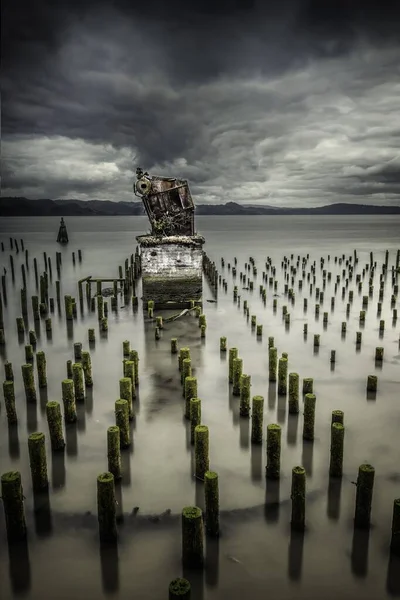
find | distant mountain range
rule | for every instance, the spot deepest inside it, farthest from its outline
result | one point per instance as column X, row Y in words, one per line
column 23, row 207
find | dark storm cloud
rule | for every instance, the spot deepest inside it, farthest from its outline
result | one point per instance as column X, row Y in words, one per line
column 288, row 104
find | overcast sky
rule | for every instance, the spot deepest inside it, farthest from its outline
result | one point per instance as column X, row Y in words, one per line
column 293, row 104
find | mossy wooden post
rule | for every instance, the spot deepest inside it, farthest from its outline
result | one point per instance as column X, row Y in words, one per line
column 233, row 353
column 134, row 355
column 54, row 420
column 125, row 393
column 87, row 368
column 273, row 451
column 195, row 417
column 8, row 371
column 298, row 497
column 68, row 398
column 79, row 384
column 91, row 336
column 336, row 457
column 365, row 486
column 13, row 502
column 37, row 460
column 337, row 417
column 237, row 368
column 32, row 338
column 309, row 417
column 122, row 421
column 293, row 393
column 28, row 352
column 126, row 347
column 395, row 538
column 211, row 494
column 78, row 351
column 282, row 376
column 9, row 401
column 174, row 345
column 222, row 344
column 372, row 383
column 245, row 385
column 273, row 363
column 190, row 392
column 20, row 326
column 257, row 416
column 29, row 382
column 186, row 371
column 41, row 369
column 201, row 450
column 106, row 507
column 114, row 451
column 308, row 385
column 179, row 589
column 69, row 314
column 69, row 369
column 192, row 537
column 100, row 307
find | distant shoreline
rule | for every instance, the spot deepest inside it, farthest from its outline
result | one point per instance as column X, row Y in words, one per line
column 24, row 207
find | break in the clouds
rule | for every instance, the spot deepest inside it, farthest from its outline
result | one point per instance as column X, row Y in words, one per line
column 293, row 105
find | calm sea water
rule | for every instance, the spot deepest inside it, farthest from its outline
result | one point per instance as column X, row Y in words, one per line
column 256, row 554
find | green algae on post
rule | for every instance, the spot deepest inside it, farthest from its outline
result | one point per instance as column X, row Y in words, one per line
column 233, row 353
column 186, row 371
column 273, row 362
column 365, row 486
column 257, row 415
column 114, row 451
column 293, row 393
column 211, row 494
column 126, row 347
column 91, row 335
column 78, row 350
column 87, row 368
column 29, row 382
column 68, row 398
column 273, row 451
column 195, row 417
column 201, row 450
column 38, row 462
column 8, row 371
column 69, row 369
column 237, row 369
column 179, row 588
column 13, row 503
column 298, row 497
column 282, row 376
column 78, row 379
column 190, row 392
column 68, row 308
column 222, row 344
column 192, row 537
column 379, row 354
column 54, row 420
column 395, row 538
column 106, row 507
column 337, row 442
column 134, row 355
column 41, row 369
column 309, row 417
column 122, row 421
column 9, row 401
column 174, row 345
column 245, row 385
column 125, row 393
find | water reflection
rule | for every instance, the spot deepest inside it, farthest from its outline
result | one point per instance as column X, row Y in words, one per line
column 271, row 395
column 13, row 442
column 307, row 456
column 81, row 416
column 281, row 412
column 212, row 561
column 31, row 417
column 69, row 325
column 71, row 438
column 359, row 552
column 272, row 500
column 196, row 579
column 19, row 567
column 119, row 502
column 43, row 398
column 256, row 462
column 199, row 499
column 244, row 427
column 292, row 428
column 234, row 406
column 58, row 473
column 334, row 495
column 295, row 558
column 393, row 576
column 126, row 467
column 109, row 567
column 42, row 513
